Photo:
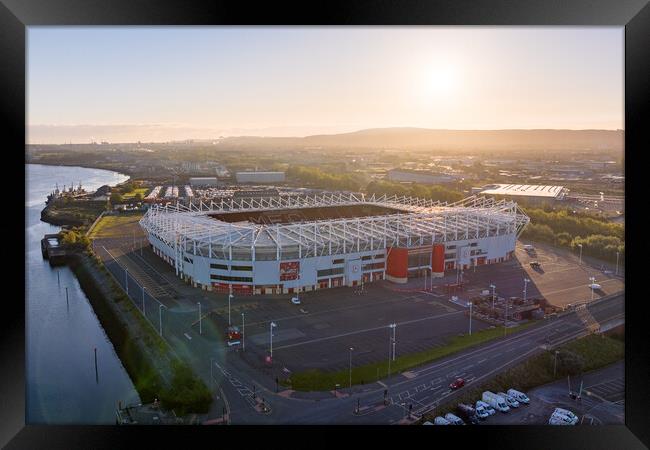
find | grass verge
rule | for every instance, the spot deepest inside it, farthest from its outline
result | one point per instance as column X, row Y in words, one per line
column 576, row 357
column 318, row 380
column 148, row 359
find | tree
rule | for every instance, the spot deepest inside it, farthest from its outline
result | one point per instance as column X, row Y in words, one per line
column 116, row 198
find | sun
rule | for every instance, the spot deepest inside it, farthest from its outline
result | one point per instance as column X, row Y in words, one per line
column 441, row 81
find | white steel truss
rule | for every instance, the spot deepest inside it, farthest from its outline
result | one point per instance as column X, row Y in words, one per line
column 416, row 222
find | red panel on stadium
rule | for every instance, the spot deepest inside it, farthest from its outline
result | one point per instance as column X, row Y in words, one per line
column 397, row 264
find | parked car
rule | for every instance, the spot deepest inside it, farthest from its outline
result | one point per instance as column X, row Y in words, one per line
column 457, row 383
column 427, row 423
column 481, row 405
column 510, row 400
column 454, row 419
column 535, row 264
column 233, row 333
column 295, row 300
column 481, row 412
column 441, row 421
column 566, row 413
column 559, row 419
column 520, row 396
column 495, row 401
column 595, row 286
column 467, row 413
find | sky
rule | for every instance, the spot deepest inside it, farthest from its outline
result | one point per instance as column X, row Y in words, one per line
column 127, row 84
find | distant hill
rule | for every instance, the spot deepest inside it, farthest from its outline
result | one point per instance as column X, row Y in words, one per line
column 423, row 139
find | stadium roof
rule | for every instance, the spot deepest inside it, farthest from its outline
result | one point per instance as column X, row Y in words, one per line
column 525, row 190
column 417, row 223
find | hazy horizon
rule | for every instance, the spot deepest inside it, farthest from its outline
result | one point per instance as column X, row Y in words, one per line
column 159, row 84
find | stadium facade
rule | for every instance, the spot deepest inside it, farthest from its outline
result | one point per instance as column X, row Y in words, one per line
column 295, row 244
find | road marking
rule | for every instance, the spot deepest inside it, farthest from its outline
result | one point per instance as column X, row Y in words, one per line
column 367, row 330
column 188, row 336
column 482, row 361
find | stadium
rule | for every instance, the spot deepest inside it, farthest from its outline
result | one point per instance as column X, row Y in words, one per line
column 280, row 245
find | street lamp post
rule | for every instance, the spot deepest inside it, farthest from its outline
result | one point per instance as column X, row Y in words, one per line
column 593, row 280
column 555, row 363
column 200, row 327
column 580, row 261
column 391, row 345
column 351, row 348
column 143, row 311
column 526, row 281
column 160, row 307
column 211, row 377
column 394, row 340
column 493, row 294
column 229, row 298
column 273, row 325
column 243, row 333
column 505, row 318
column 126, row 280
column 470, row 318
column 617, row 253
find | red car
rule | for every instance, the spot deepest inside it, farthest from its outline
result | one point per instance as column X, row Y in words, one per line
column 457, row 383
column 233, row 333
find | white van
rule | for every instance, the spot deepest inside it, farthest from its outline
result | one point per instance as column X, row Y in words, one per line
column 519, row 396
column 487, row 408
column 566, row 413
column 441, row 421
column 510, row 400
column 559, row 419
column 495, row 401
column 481, row 412
column 453, row 419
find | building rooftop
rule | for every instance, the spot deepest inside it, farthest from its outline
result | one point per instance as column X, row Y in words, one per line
column 527, row 190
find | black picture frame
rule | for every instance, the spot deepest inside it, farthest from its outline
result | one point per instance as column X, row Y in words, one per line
column 634, row 15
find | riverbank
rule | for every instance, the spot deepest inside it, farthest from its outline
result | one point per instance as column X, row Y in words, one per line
column 155, row 370
column 142, row 352
column 72, row 213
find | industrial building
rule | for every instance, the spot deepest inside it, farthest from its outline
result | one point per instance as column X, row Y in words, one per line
column 260, row 177
column 421, row 176
column 529, row 192
column 203, row 181
column 296, row 244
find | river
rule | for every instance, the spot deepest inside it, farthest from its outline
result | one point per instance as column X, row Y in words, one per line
column 62, row 386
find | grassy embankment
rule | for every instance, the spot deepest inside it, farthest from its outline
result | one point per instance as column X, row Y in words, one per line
column 113, row 226
column 152, row 365
column 579, row 356
column 72, row 212
column 318, row 380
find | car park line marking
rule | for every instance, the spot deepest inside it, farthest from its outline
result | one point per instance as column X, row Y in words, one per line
column 408, row 322
column 344, row 308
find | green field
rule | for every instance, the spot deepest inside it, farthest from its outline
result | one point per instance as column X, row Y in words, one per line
column 133, row 193
column 318, row 380
column 114, row 226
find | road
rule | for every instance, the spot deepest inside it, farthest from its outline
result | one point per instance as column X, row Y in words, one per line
column 249, row 394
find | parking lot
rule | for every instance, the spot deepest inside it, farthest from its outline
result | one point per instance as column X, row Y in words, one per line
column 318, row 333
column 560, row 279
column 605, row 408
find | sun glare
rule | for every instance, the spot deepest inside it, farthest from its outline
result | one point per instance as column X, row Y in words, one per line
column 441, row 81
